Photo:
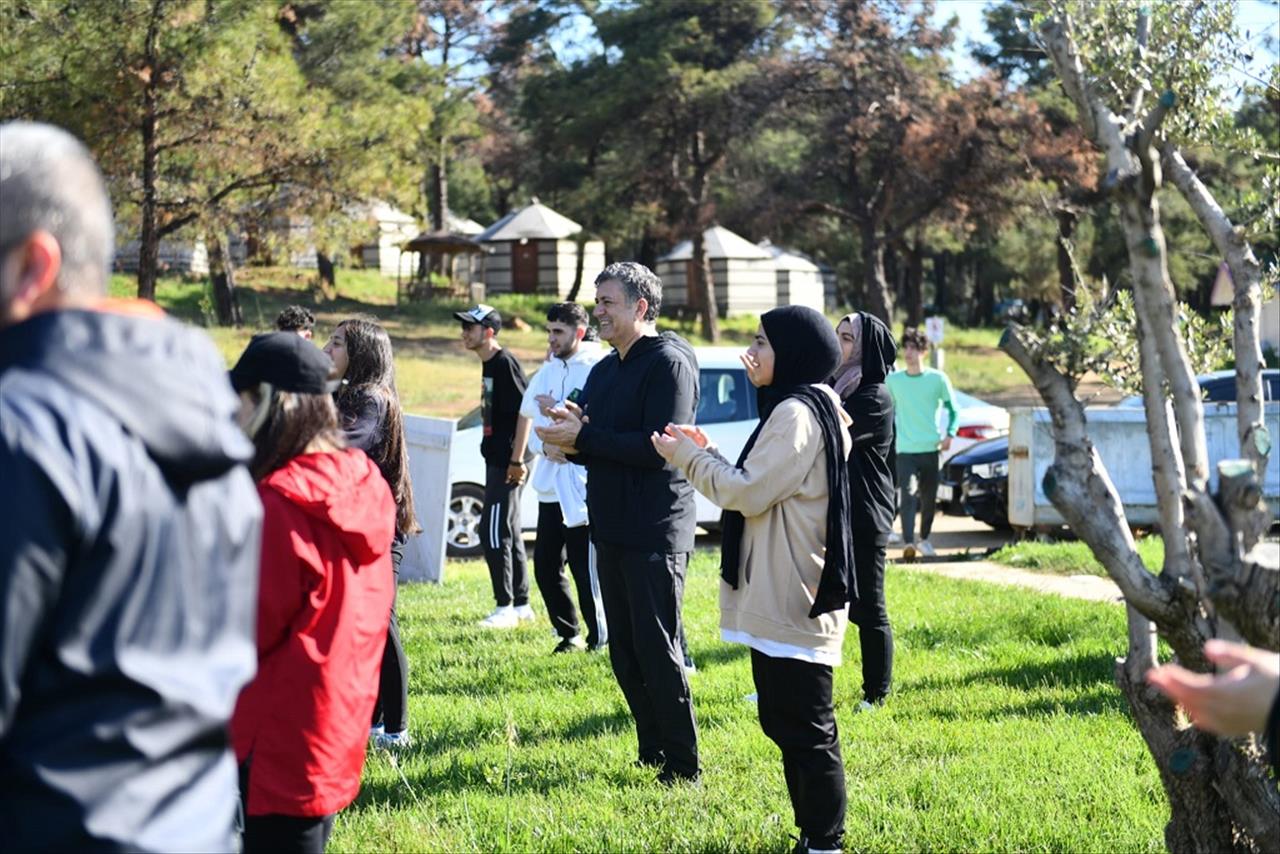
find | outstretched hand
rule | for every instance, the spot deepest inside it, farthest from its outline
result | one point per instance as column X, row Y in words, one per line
column 1231, row 703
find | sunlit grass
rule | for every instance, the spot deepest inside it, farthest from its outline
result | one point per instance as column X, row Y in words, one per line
column 1006, row 733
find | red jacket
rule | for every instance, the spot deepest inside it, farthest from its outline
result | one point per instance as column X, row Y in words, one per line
column 324, row 602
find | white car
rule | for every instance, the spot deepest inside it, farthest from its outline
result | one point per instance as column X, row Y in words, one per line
column 726, row 411
column 977, row 421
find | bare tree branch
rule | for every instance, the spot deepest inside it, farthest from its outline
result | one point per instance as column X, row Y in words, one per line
column 1246, row 275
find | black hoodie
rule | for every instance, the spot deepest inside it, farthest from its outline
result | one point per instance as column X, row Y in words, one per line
column 872, row 482
column 634, row 498
column 129, row 545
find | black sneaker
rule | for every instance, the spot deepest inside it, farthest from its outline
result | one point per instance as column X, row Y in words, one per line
column 655, row 761
column 573, row 644
column 670, row 777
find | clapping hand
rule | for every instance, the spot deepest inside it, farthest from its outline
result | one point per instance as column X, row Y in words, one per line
column 546, row 402
column 668, row 442
column 563, row 432
column 753, row 368
column 695, row 433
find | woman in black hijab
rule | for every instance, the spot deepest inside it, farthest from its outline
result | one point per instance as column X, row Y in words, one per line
column 869, row 351
column 787, row 556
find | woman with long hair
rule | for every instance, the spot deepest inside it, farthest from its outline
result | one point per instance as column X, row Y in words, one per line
column 868, row 351
column 787, row 555
column 371, row 418
column 325, row 590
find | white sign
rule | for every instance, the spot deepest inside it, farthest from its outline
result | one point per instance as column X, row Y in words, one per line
column 933, row 330
column 429, row 440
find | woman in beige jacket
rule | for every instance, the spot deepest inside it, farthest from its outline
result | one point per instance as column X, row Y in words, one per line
column 786, row 564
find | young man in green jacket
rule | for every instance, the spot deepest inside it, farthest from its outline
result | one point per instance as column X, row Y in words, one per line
column 918, row 392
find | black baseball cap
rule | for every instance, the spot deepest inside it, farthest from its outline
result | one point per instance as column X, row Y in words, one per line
column 286, row 361
column 485, row 315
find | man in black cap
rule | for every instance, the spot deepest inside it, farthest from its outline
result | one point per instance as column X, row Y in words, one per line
column 129, row 536
column 506, row 437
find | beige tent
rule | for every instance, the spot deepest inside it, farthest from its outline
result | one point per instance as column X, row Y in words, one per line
column 533, row 250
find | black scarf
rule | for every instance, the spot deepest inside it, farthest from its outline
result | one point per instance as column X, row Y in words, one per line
column 806, row 351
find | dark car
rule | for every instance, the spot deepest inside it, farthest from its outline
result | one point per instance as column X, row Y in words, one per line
column 975, row 482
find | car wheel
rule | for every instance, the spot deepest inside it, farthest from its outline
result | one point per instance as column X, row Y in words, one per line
column 462, row 531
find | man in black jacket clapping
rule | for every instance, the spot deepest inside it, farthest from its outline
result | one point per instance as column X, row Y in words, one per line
column 642, row 511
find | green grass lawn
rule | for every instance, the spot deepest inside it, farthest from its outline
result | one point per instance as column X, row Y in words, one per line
column 1005, row 733
column 1072, row 558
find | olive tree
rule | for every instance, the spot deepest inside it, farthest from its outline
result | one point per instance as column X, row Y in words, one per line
column 1144, row 82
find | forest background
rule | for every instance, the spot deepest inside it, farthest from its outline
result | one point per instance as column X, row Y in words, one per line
column 936, row 173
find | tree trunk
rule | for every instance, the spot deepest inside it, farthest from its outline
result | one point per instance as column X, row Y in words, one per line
column 1067, row 220
column 222, row 279
column 326, row 275
column 149, row 239
column 984, row 293
column 874, row 283
column 581, row 241
column 703, row 284
column 940, row 262
column 914, row 284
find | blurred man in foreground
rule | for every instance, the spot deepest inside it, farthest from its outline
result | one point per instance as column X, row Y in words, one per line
column 129, row 534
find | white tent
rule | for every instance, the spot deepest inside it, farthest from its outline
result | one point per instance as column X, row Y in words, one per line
column 532, row 250
column 800, row 280
column 744, row 275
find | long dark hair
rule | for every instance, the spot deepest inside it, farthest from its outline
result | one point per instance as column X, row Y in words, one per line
column 371, row 372
column 293, row 422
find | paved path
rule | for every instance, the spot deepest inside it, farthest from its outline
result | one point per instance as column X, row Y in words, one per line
column 1089, row 587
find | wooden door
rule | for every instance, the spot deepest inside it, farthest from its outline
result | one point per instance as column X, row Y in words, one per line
column 524, row 267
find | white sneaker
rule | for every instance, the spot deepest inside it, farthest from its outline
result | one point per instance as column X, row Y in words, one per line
column 753, row 697
column 926, row 548
column 501, row 618
column 393, row 740
column 525, row 614
column 895, row 539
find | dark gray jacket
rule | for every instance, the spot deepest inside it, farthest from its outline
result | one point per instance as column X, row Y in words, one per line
column 129, row 542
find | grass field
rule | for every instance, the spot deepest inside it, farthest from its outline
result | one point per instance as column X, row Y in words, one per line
column 1005, row 733
column 1071, row 558
column 436, row 376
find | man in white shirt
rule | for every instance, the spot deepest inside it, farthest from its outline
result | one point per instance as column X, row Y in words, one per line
column 562, row 486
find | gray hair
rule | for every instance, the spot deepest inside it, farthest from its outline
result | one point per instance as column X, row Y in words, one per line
column 637, row 281
column 48, row 181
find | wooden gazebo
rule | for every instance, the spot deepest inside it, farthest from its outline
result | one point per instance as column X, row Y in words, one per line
column 437, row 252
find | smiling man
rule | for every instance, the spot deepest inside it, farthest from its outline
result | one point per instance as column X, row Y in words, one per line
column 641, row 508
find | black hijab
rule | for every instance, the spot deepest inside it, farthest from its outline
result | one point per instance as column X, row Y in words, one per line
column 806, row 351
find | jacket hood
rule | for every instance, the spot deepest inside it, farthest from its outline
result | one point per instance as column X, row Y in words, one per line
column 346, row 490
column 588, row 351
column 878, row 349
column 165, row 382
column 675, row 342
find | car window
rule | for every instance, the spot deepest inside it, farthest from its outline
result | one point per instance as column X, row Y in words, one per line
column 1220, row 390
column 1271, row 385
column 471, row 419
column 724, row 395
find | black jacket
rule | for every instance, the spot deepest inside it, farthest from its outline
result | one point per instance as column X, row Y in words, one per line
column 129, row 543
column 872, row 481
column 634, row 498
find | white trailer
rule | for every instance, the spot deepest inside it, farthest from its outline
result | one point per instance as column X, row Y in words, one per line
column 1120, row 436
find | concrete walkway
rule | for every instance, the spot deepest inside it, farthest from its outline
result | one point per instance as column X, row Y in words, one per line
column 1089, row 587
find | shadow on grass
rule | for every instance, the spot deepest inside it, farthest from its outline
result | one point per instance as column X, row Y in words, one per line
column 526, row 775
column 1089, row 676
